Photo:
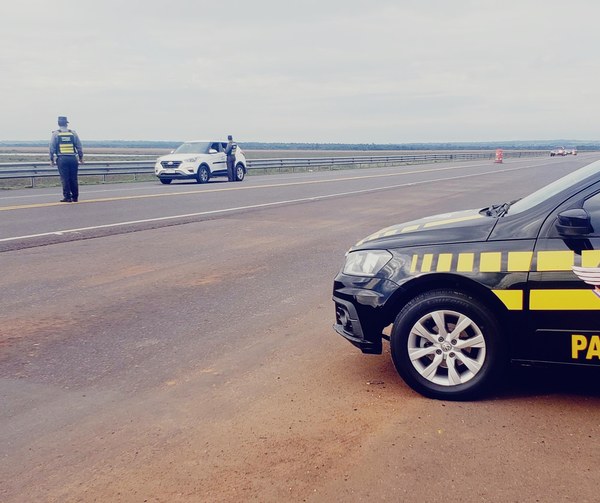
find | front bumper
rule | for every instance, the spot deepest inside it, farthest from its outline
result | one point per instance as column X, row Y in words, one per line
column 176, row 175
column 349, row 327
column 181, row 171
column 362, row 310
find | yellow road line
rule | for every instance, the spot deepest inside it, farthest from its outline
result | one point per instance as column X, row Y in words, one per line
column 192, row 192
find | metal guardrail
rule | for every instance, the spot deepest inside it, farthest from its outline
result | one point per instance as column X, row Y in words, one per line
column 34, row 170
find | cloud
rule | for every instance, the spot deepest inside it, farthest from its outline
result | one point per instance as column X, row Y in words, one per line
column 353, row 71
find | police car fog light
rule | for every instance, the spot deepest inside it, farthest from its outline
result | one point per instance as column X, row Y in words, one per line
column 366, row 262
column 343, row 317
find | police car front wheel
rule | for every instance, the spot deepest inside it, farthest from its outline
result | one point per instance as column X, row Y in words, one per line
column 447, row 345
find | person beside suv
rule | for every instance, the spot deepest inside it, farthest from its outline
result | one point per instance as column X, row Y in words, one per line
column 202, row 160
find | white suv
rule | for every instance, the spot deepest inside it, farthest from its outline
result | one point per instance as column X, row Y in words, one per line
column 199, row 160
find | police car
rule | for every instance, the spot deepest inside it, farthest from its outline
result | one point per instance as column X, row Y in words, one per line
column 466, row 293
column 199, row 160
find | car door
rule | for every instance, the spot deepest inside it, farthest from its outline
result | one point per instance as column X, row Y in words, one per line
column 563, row 301
column 218, row 159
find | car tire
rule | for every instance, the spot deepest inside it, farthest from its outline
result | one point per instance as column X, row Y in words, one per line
column 203, row 174
column 240, row 173
column 439, row 362
column 166, row 181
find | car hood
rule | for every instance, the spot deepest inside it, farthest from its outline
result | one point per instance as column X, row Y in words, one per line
column 457, row 227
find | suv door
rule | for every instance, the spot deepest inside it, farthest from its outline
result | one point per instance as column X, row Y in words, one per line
column 564, row 310
column 218, row 159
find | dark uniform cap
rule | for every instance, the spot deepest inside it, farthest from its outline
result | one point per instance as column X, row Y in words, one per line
column 62, row 119
column 230, row 137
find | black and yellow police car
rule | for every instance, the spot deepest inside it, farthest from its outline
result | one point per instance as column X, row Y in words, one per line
column 465, row 293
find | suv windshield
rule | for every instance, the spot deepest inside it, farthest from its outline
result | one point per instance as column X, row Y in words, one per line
column 197, row 147
column 555, row 187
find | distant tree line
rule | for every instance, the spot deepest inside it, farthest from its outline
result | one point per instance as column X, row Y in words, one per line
column 508, row 145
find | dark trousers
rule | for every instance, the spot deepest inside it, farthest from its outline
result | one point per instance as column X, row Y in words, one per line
column 231, row 175
column 67, row 167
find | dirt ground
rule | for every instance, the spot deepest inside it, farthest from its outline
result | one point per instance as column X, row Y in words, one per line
column 322, row 423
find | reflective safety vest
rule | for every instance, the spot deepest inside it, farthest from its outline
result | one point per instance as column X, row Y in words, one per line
column 66, row 143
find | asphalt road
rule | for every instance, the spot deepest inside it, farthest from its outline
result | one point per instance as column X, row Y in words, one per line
column 174, row 343
column 31, row 217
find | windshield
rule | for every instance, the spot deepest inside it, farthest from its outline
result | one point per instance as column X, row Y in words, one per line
column 196, row 147
column 555, row 187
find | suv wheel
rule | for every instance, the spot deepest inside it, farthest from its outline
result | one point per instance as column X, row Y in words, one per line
column 447, row 345
column 239, row 172
column 203, row 174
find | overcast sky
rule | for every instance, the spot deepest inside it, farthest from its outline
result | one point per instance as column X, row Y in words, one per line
column 307, row 71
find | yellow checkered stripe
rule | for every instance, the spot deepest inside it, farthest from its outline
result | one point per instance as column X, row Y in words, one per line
column 512, row 261
column 519, row 261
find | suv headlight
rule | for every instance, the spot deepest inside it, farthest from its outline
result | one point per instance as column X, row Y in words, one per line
column 191, row 159
column 366, row 262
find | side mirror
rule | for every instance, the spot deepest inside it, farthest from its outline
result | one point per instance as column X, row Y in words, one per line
column 575, row 222
column 212, row 151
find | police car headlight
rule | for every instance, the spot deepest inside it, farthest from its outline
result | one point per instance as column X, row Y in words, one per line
column 366, row 262
column 191, row 159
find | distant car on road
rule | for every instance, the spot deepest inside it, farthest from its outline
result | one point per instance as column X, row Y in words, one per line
column 198, row 160
column 558, row 151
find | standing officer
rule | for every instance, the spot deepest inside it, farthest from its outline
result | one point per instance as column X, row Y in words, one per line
column 65, row 145
column 230, row 151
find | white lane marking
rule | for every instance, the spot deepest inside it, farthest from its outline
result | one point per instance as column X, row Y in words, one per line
column 291, row 176
column 250, row 207
column 250, row 187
